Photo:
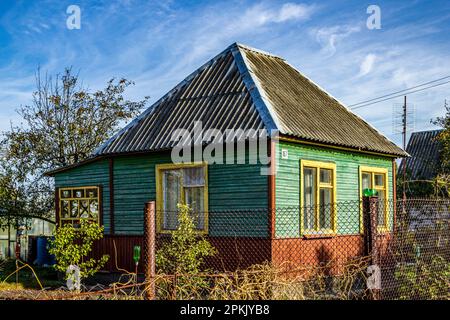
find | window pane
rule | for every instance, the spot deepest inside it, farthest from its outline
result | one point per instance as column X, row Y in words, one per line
column 171, row 197
column 379, row 180
column 93, row 209
column 194, row 199
column 325, row 208
column 193, row 177
column 366, row 181
column 78, row 193
column 66, row 194
column 309, row 197
column 84, row 208
column 64, row 209
column 91, row 193
column 326, row 176
column 74, row 209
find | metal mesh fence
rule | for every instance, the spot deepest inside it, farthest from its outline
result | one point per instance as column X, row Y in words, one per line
column 370, row 249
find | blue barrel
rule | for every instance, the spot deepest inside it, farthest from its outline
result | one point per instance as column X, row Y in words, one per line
column 43, row 257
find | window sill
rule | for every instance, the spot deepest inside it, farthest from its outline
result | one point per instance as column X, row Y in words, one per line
column 319, row 236
column 383, row 230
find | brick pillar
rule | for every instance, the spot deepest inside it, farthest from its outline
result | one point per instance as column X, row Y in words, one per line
column 149, row 249
column 371, row 241
column 370, row 211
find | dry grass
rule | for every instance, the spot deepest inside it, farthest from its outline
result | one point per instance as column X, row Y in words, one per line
column 259, row 282
column 4, row 286
column 265, row 281
column 301, row 283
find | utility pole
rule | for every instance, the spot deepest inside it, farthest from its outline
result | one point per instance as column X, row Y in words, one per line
column 404, row 148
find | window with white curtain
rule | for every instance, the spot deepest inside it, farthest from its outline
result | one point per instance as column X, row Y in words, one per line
column 181, row 184
column 318, row 197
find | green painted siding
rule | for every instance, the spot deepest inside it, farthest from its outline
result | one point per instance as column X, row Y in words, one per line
column 238, row 187
column 91, row 174
column 231, row 187
column 347, row 179
column 134, row 185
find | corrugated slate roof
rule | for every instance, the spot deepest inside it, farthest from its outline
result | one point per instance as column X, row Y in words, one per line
column 425, row 151
column 246, row 88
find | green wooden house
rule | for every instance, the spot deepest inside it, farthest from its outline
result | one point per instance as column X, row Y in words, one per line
column 321, row 154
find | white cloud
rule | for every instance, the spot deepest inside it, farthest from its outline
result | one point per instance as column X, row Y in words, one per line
column 293, row 11
column 367, row 64
column 401, row 76
column 260, row 14
column 213, row 30
column 329, row 37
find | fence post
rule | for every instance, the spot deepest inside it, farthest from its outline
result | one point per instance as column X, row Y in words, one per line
column 373, row 228
column 149, row 250
column 370, row 209
column 367, row 226
column 371, row 245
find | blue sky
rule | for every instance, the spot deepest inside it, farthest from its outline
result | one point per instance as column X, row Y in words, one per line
column 158, row 43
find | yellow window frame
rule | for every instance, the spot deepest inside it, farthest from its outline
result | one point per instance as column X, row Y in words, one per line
column 72, row 198
column 318, row 165
column 159, row 193
column 373, row 171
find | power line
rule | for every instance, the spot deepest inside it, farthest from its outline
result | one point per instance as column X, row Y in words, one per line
column 396, row 96
column 390, row 94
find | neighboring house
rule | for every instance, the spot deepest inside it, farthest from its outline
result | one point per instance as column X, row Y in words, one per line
column 325, row 154
column 425, row 151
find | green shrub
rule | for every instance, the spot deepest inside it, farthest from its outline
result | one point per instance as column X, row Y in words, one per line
column 184, row 255
column 72, row 246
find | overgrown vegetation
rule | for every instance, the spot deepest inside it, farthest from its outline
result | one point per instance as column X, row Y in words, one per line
column 424, row 279
column 72, row 246
column 183, row 256
column 422, row 253
column 266, row 281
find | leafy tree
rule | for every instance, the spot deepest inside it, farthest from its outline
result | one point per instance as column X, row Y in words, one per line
column 444, row 139
column 72, row 246
column 63, row 125
column 18, row 198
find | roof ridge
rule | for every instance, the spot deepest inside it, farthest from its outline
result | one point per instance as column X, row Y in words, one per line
column 260, row 100
column 431, row 130
column 256, row 50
